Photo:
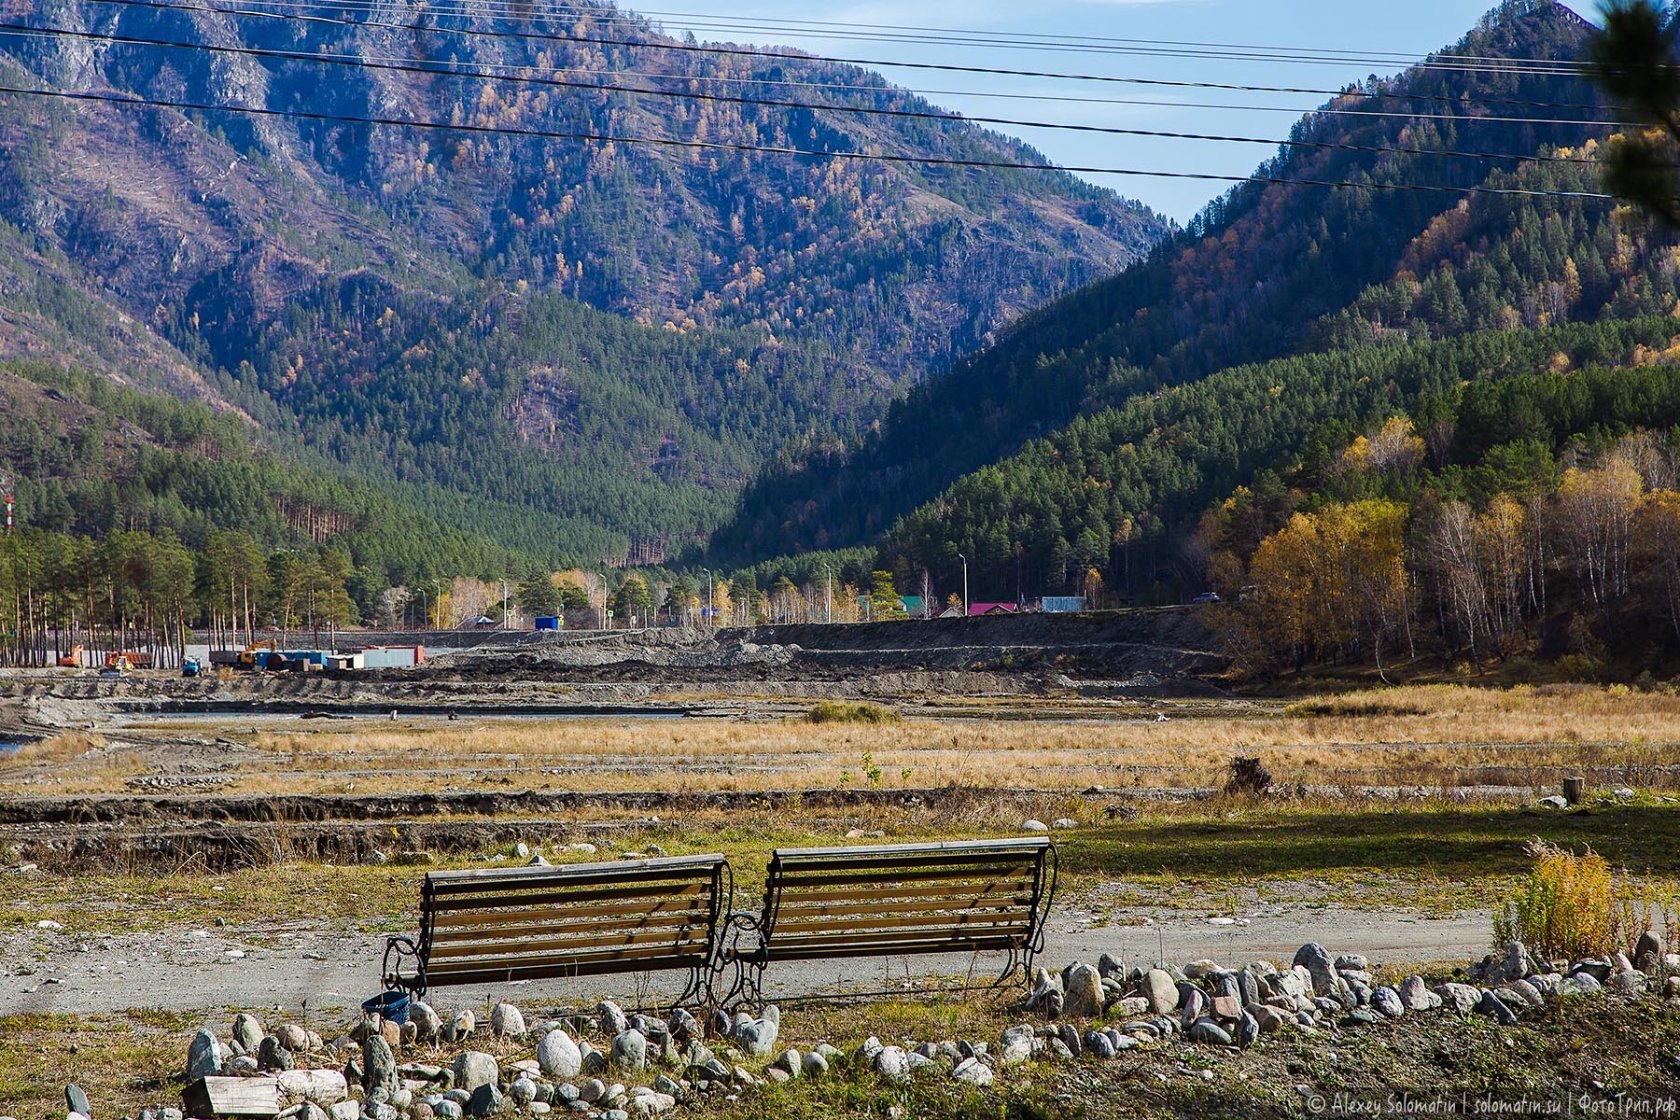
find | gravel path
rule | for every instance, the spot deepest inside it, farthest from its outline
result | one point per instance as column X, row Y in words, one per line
column 59, row 971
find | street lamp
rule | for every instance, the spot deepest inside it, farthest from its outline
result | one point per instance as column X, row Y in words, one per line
column 964, row 560
column 505, row 605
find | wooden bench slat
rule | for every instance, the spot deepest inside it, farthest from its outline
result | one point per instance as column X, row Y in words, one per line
column 551, row 896
column 1016, row 845
column 862, row 877
column 526, row 884
column 604, row 964
column 517, row 927
column 466, row 919
column 808, row 864
column 884, row 891
column 800, row 906
column 606, row 871
column 1000, row 920
column 510, row 956
column 849, row 947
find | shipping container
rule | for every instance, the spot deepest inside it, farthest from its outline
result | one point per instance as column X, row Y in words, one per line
column 548, row 622
column 393, row 657
column 1063, row 604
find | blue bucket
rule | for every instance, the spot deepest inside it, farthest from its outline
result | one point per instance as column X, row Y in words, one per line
column 391, row 1006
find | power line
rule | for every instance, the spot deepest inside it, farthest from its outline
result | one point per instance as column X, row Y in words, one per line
column 958, row 37
column 788, row 150
column 1156, row 82
column 363, row 62
column 708, row 49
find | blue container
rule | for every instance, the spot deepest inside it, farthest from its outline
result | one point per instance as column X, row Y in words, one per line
column 548, row 622
column 391, row 1006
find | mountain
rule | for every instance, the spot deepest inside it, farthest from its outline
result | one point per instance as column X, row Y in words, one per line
column 1267, row 271
column 576, row 348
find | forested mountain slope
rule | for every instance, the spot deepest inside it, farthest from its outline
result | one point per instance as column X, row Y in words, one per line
column 1268, row 270
column 613, row 335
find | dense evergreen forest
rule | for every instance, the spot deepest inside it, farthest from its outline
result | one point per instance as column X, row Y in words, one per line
column 1266, row 271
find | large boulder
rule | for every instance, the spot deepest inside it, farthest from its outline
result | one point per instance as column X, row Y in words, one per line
column 558, row 1056
column 1083, row 998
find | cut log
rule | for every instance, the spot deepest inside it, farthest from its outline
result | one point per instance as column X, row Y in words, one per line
column 324, row 1087
column 212, row 1097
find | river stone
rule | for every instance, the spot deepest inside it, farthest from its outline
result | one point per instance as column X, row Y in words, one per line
column 76, row 1100
column 1387, row 1001
column 1208, row 1031
column 1191, row 1004
column 522, row 1092
column 507, row 1021
column 248, row 1032
column 611, row 1018
column 1316, row 960
column 1627, row 982
column 972, row 1071
column 1161, row 991
column 1032, row 824
column 1514, row 962
column 629, row 1050
column 1084, row 996
column 474, row 1068
column 1495, row 1007
column 1227, row 1008
column 1269, row 1019
column 757, row 1037
column 1353, row 962
column 893, row 1064
column 486, row 1100
column 1416, row 996
column 813, row 1064
column 428, row 1026
column 684, row 1026
column 448, row 1110
column 1107, row 966
column 1248, row 988
column 271, row 1056
column 1016, row 1045
column 1247, row 1031
column 1462, row 998
column 1526, row 992
column 558, row 1056
column 295, row 1039
column 379, row 1066
column 1579, row 984
column 204, row 1056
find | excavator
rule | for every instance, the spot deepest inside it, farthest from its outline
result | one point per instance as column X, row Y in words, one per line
column 73, row 659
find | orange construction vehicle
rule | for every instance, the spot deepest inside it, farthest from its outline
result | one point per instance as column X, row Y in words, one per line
column 73, row 659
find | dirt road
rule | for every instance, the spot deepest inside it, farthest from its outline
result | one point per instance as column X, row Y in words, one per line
column 330, row 970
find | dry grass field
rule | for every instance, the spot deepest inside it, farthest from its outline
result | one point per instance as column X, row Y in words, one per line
column 1428, row 737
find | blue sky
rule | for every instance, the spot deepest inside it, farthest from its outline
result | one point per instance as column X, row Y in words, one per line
column 1410, row 28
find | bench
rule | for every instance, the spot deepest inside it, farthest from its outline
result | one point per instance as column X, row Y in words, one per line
column 957, row 897
column 540, row 923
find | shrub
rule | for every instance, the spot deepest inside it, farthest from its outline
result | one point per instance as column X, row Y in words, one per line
column 1247, row 775
column 831, row 712
column 1580, row 667
column 1566, row 908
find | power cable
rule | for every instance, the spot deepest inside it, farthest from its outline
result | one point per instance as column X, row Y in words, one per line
column 685, row 48
column 788, row 150
column 363, row 62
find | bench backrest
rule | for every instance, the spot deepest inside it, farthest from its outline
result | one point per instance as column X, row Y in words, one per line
column 537, row 923
column 962, row 896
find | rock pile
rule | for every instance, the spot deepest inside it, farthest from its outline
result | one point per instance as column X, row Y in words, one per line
column 610, row 1065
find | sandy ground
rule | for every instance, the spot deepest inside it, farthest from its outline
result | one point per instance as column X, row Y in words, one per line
column 61, row 972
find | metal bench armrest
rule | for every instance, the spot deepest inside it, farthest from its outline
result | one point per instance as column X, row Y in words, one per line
column 398, row 950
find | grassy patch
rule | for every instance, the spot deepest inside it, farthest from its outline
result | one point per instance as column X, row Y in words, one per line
column 830, row 711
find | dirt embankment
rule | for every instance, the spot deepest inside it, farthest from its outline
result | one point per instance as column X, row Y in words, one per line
column 223, row 832
column 1008, row 654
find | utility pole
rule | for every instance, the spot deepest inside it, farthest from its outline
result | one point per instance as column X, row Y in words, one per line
column 708, row 573
column 964, row 560
column 505, row 610
column 828, row 594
